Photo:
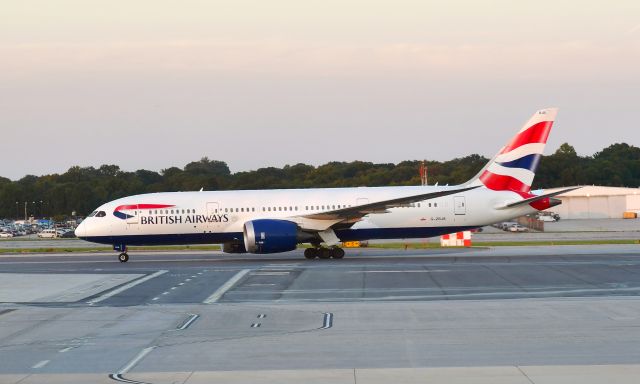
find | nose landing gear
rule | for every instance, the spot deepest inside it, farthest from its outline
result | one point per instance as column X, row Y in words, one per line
column 123, row 256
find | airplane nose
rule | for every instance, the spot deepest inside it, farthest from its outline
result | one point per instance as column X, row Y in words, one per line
column 81, row 230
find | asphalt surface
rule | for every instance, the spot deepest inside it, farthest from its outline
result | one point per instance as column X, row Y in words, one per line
column 206, row 311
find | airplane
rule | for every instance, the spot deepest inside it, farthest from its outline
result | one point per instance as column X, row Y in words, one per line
column 273, row 221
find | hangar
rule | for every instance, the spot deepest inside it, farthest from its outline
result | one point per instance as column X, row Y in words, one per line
column 598, row 202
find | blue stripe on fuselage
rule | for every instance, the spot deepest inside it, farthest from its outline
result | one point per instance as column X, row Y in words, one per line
column 529, row 162
column 217, row 238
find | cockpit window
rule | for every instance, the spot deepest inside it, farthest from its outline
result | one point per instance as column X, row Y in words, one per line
column 93, row 213
column 101, row 214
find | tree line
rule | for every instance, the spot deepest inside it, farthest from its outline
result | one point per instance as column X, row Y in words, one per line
column 82, row 189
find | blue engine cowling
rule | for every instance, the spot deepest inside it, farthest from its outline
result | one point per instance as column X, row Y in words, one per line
column 270, row 236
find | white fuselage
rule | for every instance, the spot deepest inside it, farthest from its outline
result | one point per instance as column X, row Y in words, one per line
column 218, row 217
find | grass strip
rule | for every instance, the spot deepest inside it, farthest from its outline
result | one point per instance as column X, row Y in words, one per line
column 109, row 249
column 374, row 245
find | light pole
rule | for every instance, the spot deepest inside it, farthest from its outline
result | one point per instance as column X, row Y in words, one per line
column 17, row 211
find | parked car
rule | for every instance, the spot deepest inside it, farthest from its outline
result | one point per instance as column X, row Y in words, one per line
column 68, row 234
column 518, row 228
column 548, row 216
column 48, row 234
column 6, row 234
column 507, row 224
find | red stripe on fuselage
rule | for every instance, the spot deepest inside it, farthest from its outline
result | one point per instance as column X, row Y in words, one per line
column 537, row 133
column 142, row 206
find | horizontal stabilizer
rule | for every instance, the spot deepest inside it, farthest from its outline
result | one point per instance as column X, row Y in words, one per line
column 537, row 198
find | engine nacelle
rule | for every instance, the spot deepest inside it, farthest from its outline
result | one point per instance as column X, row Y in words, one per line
column 270, row 236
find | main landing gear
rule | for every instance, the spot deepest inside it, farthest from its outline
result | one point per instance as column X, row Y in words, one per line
column 123, row 257
column 324, row 253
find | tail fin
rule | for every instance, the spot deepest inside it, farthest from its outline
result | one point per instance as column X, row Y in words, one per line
column 514, row 167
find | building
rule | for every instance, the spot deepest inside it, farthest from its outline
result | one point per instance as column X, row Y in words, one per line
column 595, row 202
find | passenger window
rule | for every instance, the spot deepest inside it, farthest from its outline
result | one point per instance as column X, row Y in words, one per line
column 241, row 209
column 269, row 208
column 435, row 205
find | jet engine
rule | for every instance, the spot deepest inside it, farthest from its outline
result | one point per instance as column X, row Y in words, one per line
column 270, row 236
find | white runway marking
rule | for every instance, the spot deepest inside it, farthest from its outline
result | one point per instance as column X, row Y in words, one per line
column 270, row 273
column 135, row 360
column 327, row 321
column 406, row 271
column 66, row 349
column 41, row 364
column 190, row 320
column 126, row 286
column 227, row 286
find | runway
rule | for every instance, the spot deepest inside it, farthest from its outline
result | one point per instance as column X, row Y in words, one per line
column 163, row 313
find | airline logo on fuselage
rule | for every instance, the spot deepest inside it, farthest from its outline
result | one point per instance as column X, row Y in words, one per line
column 164, row 216
column 118, row 212
column 187, row 219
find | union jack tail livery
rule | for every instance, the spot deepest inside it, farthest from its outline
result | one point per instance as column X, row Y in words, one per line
column 514, row 167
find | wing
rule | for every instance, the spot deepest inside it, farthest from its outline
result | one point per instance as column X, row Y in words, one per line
column 323, row 220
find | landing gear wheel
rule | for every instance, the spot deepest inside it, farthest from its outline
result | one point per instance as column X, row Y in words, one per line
column 310, row 253
column 123, row 257
column 324, row 253
column 337, row 253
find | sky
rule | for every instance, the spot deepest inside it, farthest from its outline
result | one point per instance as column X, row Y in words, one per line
column 153, row 84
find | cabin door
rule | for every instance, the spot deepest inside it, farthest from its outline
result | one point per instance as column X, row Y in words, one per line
column 459, row 205
column 215, row 217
